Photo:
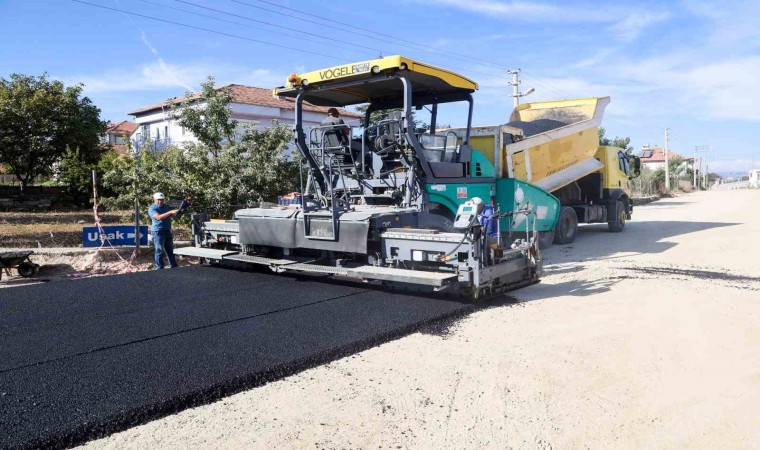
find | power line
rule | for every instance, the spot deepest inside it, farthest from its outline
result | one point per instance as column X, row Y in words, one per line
column 277, row 26
column 209, row 30
column 557, row 90
column 352, row 29
column 336, row 40
column 243, row 24
column 244, row 37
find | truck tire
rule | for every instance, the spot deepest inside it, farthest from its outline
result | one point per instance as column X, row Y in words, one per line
column 567, row 226
column 545, row 239
column 617, row 224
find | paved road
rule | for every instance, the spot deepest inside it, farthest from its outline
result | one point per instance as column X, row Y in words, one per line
column 85, row 358
column 643, row 339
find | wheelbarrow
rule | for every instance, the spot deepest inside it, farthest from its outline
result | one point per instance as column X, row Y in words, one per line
column 20, row 261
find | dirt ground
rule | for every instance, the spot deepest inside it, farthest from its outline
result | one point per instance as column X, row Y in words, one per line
column 647, row 338
column 55, row 229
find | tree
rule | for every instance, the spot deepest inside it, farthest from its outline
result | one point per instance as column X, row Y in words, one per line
column 39, row 119
column 619, row 142
column 75, row 170
column 211, row 123
column 249, row 170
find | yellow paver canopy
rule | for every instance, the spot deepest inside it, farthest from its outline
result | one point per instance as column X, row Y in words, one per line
column 322, row 87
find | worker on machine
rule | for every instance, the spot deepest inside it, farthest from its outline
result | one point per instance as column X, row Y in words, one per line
column 487, row 221
column 335, row 130
column 485, row 217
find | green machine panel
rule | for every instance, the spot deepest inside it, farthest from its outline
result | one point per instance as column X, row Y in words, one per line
column 508, row 194
column 515, row 195
column 453, row 195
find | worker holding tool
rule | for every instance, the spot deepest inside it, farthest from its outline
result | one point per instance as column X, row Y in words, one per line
column 163, row 241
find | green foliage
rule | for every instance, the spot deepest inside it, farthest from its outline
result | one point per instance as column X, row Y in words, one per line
column 677, row 169
column 624, row 143
column 212, row 123
column 75, row 170
column 382, row 114
column 244, row 173
column 39, row 120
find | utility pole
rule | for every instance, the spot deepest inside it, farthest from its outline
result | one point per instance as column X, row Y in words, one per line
column 136, row 151
column 698, row 149
column 667, row 166
column 515, row 83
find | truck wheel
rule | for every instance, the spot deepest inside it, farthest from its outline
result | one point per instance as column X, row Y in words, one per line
column 545, row 239
column 617, row 223
column 567, row 226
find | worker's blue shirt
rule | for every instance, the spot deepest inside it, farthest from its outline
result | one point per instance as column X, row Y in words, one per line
column 488, row 222
column 160, row 225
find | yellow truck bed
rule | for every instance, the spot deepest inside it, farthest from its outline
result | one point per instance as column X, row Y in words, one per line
column 549, row 144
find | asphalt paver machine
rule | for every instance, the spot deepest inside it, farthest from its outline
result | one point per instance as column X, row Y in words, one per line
column 387, row 200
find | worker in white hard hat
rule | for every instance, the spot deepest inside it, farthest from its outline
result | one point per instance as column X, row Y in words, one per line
column 161, row 230
column 485, row 218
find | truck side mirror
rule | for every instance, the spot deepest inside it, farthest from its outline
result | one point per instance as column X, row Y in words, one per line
column 636, row 166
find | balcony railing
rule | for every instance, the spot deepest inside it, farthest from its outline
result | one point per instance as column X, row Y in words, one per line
column 152, row 144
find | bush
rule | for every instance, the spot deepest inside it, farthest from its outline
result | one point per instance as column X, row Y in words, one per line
column 250, row 170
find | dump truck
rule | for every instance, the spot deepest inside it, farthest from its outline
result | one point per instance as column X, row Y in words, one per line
column 555, row 145
column 386, row 201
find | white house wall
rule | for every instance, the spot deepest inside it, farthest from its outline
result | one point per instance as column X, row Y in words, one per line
column 256, row 116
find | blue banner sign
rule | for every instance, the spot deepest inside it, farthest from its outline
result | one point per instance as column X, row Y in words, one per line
column 116, row 235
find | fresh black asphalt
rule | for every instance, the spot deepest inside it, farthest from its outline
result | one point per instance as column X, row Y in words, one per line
column 85, row 358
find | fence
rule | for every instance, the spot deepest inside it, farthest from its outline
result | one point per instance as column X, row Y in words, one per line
column 34, row 198
column 645, row 188
column 8, row 178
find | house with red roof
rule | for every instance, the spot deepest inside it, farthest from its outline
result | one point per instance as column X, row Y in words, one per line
column 250, row 106
column 653, row 158
column 116, row 135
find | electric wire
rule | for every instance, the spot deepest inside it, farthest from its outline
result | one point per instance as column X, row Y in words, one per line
column 252, row 39
column 543, row 85
column 546, row 85
column 380, row 51
column 247, row 25
column 212, row 31
column 352, row 28
column 275, row 25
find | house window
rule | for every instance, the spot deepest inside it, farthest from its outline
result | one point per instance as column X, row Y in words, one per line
column 166, row 132
column 158, row 133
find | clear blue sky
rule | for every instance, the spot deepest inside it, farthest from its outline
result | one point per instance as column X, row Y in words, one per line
column 691, row 66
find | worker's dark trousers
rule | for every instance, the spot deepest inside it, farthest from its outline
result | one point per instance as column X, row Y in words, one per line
column 163, row 243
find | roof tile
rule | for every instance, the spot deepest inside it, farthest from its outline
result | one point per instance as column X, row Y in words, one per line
column 252, row 96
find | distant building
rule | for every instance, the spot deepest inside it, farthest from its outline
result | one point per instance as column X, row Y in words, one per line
column 754, row 178
column 117, row 135
column 653, row 158
column 250, row 106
